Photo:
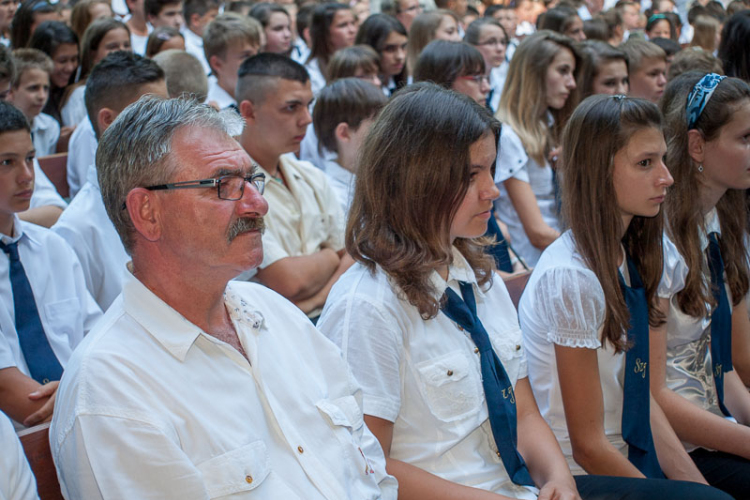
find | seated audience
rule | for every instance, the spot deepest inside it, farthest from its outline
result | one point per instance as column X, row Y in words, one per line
column 164, row 13
column 604, row 69
column 586, row 310
column 250, row 416
column 307, row 253
column 29, row 93
column 344, row 112
column 705, row 279
column 184, row 74
column 277, row 27
column 227, row 41
column 454, row 65
column 164, row 38
column 197, row 15
column 118, row 80
column 45, row 309
column 534, row 108
column 332, row 27
column 647, row 69
column 491, row 39
column 387, row 36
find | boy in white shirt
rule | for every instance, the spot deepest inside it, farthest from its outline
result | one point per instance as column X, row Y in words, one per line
column 45, row 309
column 29, row 93
column 197, row 15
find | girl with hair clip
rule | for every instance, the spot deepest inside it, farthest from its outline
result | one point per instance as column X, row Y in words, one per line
column 586, row 311
column 604, row 69
column 705, row 280
column 332, row 27
column 102, row 37
column 491, row 39
column 539, row 95
column 388, row 37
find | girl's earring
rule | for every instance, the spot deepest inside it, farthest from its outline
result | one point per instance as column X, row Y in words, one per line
column 700, row 167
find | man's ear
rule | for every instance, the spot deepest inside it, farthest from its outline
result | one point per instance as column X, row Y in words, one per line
column 696, row 145
column 247, row 110
column 143, row 208
column 104, row 119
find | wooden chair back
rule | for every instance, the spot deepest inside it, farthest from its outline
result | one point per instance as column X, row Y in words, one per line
column 35, row 442
column 56, row 168
column 515, row 286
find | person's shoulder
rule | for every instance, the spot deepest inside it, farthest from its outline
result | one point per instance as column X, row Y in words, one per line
column 45, row 122
column 42, row 239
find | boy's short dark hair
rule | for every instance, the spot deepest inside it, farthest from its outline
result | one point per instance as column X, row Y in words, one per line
column 638, row 50
column 12, row 119
column 669, row 46
column 257, row 73
column 154, row 7
column 115, row 82
column 350, row 101
column 200, row 7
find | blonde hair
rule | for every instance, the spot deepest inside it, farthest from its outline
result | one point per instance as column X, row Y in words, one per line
column 524, row 101
column 705, row 29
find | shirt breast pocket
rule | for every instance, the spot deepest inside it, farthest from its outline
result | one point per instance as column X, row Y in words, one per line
column 242, row 470
column 452, row 386
column 63, row 315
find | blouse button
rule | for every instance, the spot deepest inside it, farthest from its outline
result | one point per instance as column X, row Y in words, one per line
column 476, row 350
column 518, row 347
column 300, row 449
column 249, row 479
column 450, row 373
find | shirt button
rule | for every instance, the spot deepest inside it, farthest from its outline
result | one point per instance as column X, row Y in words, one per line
column 249, row 479
column 300, row 449
column 450, row 373
column 518, row 347
column 498, row 454
column 476, row 350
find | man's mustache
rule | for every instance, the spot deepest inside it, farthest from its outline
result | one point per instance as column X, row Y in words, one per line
column 245, row 225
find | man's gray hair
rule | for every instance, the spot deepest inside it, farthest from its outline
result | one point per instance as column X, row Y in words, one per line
column 135, row 150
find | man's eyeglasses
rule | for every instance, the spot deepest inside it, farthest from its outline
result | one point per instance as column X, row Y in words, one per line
column 494, row 42
column 476, row 78
column 228, row 187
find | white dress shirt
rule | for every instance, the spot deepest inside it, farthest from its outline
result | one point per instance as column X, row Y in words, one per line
column 45, row 192
column 512, row 161
column 689, row 371
column 300, row 51
column 342, row 183
column 17, row 482
column 75, row 109
column 563, row 304
column 150, row 406
column 81, row 155
column 194, row 46
column 66, row 308
column 45, row 132
column 317, row 80
column 138, row 43
column 219, row 95
column 88, row 229
column 424, row 375
column 497, row 82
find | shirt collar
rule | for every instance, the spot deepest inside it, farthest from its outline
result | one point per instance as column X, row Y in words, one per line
column 712, row 225
column 459, row 270
column 18, row 232
column 91, row 175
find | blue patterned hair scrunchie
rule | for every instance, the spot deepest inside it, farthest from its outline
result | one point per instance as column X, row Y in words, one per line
column 699, row 97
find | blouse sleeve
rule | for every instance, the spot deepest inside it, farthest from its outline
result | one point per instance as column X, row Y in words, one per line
column 674, row 273
column 511, row 157
column 571, row 303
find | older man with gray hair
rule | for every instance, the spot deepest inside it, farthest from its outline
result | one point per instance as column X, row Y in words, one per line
column 192, row 386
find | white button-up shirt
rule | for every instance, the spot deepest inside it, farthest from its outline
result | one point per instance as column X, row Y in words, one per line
column 81, row 155
column 153, row 407
column 194, row 46
column 46, row 131
column 342, row 183
column 88, row 229
column 425, row 376
column 66, row 308
column 218, row 95
column 16, row 480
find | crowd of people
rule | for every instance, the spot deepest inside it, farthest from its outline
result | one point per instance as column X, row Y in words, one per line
column 279, row 267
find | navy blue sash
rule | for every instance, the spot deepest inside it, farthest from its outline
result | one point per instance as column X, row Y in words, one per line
column 721, row 321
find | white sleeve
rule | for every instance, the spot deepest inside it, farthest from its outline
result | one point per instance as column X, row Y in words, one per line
column 372, row 346
column 16, row 480
column 571, row 303
column 44, row 191
column 674, row 272
column 90, row 465
column 512, row 159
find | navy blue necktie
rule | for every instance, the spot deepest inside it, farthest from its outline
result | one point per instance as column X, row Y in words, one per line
column 636, row 402
column 42, row 362
column 488, row 101
column 498, row 391
column 721, row 321
column 499, row 250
